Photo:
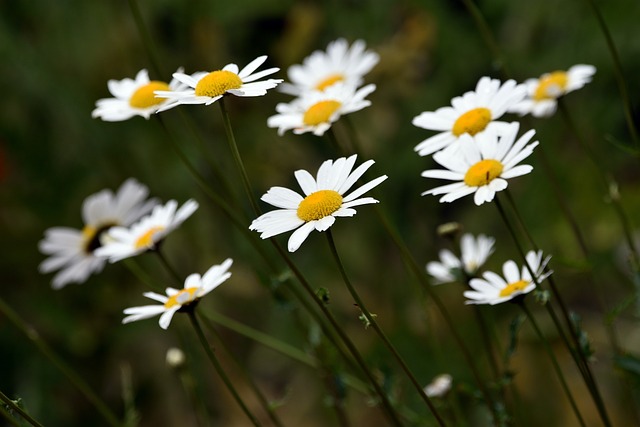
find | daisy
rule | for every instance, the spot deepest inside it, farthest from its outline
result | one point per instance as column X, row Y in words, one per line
column 324, row 201
column 195, row 287
column 133, row 97
column 316, row 111
column 474, row 253
column 494, row 289
column 470, row 114
column 482, row 165
column 543, row 93
column 73, row 251
column 124, row 242
column 340, row 63
column 207, row 88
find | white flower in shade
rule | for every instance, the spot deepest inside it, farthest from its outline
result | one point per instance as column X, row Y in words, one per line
column 474, row 252
column 440, row 386
column 123, row 242
column 340, row 63
column 133, row 98
column 207, row 88
column 195, row 287
column 470, row 114
column 324, row 200
column 542, row 93
column 482, row 165
column 316, row 111
column 495, row 289
column 72, row 251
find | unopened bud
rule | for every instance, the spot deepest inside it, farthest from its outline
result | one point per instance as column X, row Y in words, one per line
column 175, row 357
column 439, row 386
column 449, row 230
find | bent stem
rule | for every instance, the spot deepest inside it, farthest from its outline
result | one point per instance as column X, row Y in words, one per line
column 11, row 404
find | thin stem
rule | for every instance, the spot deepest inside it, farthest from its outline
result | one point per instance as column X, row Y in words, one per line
column 167, row 265
column 146, row 38
column 11, row 404
column 11, row 420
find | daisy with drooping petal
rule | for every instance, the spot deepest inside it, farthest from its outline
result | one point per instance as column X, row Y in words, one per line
column 324, row 201
column 207, row 88
column 73, row 251
column 543, row 93
column 470, row 114
column 482, row 165
column 124, row 242
column 316, row 111
column 340, row 63
column 474, row 252
column 494, row 289
column 195, row 287
column 133, row 97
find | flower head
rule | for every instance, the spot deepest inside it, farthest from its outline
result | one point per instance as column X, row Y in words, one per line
column 495, row 289
column 440, row 386
column 543, row 93
column 195, row 287
column 124, row 242
column 73, row 251
column 324, row 200
column 207, row 88
column 133, row 98
column 474, row 253
column 471, row 114
column 482, row 165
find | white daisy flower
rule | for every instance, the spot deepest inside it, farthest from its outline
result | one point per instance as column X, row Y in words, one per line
column 470, row 114
column 542, row 93
column 482, row 165
column 124, row 242
column 195, row 287
column 73, row 251
column 316, row 111
column 340, row 63
column 494, row 289
column 324, row 200
column 440, row 386
column 474, row 252
column 207, row 88
column 133, row 97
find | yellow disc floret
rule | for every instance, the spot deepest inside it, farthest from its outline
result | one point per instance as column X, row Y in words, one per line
column 320, row 112
column 472, row 122
column 181, row 298
column 551, row 86
column 328, row 81
column 217, row 83
column 319, row 205
column 483, row 173
column 144, row 97
column 511, row 288
column 146, row 240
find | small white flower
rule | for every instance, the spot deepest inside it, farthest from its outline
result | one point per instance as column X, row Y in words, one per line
column 482, row 165
column 471, row 114
column 474, row 253
column 440, row 386
column 124, row 242
column 133, row 97
column 195, row 287
column 325, row 200
column 316, row 111
column 494, row 289
column 206, row 88
column 72, row 251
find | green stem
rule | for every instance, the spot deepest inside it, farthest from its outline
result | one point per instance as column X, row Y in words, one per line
column 146, row 38
column 167, row 266
column 11, row 404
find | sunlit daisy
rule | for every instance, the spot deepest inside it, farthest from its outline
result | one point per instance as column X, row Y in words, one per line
column 469, row 114
column 72, row 251
column 482, row 165
column 175, row 300
column 207, row 88
column 133, row 98
column 340, row 63
column 316, row 111
column 542, row 93
column 124, row 242
column 474, row 253
column 494, row 289
column 324, row 200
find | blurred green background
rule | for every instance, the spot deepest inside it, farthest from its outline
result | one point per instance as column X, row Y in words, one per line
column 57, row 58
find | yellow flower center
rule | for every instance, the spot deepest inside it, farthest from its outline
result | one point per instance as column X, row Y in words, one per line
column 328, row 81
column 320, row 112
column 514, row 287
column 483, row 173
column 472, row 122
column 217, row 83
column 181, row 298
column 551, row 86
column 319, row 205
column 144, row 97
column 146, row 240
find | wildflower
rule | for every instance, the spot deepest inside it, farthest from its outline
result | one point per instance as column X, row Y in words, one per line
column 474, row 253
column 324, row 200
column 440, row 386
